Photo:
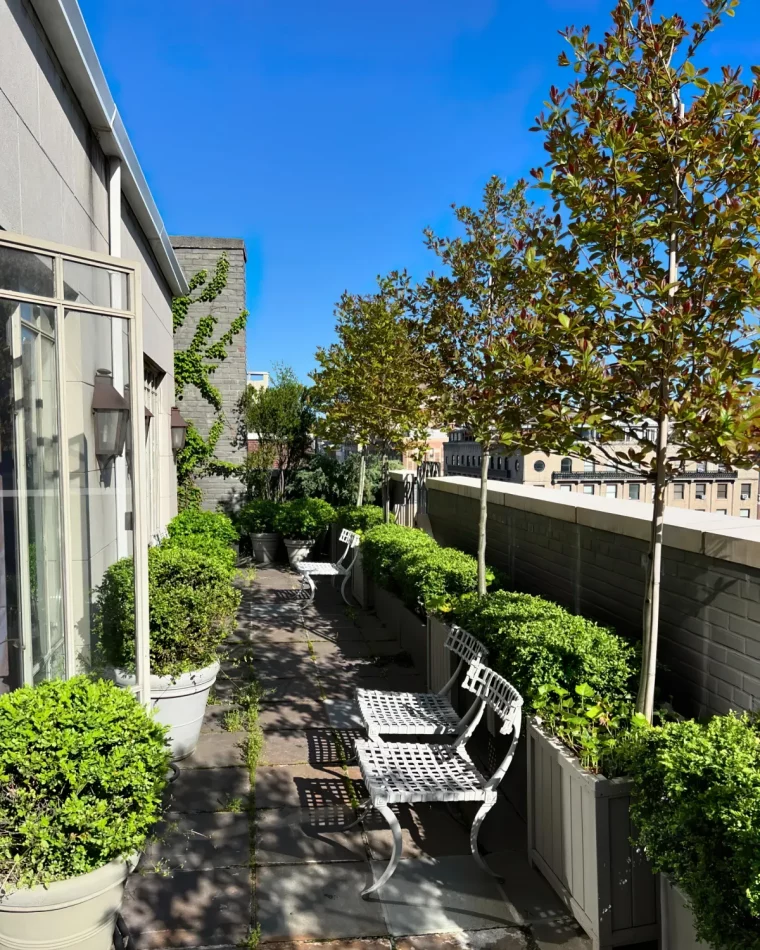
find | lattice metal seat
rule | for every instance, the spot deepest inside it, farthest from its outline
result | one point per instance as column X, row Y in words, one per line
column 386, row 713
column 309, row 569
column 411, row 772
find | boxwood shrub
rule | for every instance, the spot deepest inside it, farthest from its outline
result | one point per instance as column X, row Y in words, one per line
column 696, row 808
column 209, row 523
column 362, row 518
column 207, row 545
column 82, row 772
column 257, row 516
column 408, row 562
column 534, row 642
column 304, row 519
column 192, row 604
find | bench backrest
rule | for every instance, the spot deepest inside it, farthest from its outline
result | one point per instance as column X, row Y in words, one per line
column 497, row 693
column 351, row 538
column 465, row 646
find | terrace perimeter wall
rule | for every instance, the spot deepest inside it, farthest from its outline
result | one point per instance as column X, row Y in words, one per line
column 590, row 555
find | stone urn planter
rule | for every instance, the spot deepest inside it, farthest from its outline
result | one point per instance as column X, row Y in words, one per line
column 298, row 550
column 180, row 703
column 78, row 913
column 264, row 547
column 579, row 834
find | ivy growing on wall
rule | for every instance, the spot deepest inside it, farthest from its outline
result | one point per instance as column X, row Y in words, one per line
column 195, row 366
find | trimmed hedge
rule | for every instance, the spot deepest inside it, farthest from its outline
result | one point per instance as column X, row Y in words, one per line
column 209, row 523
column 192, row 604
column 207, row 545
column 409, row 563
column 361, row 519
column 82, row 773
column 534, row 642
column 696, row 808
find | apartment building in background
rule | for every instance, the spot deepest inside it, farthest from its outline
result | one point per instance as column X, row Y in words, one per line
column 700, row 487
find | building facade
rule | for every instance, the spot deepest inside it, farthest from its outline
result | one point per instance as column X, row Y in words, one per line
column 202, row 253
column 87, row 274
column 700, row 487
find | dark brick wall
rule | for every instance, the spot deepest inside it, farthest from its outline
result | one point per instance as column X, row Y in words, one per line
column 710, row 614
column 194, row 254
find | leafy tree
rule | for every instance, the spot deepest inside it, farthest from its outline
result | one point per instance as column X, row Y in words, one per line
column 337, row 482
column 195, row 366
column 657, row 168
column 370, row 384
column 493, row 373
column 283, row 420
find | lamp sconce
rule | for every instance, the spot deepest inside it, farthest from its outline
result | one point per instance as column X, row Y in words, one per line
column 179, row 431
column 111, row 413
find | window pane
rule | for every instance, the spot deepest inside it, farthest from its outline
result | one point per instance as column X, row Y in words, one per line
column 100, row 490
column 634, row 492
column 611, row 491
column 744, row 513
column 588, row 489
column 746, row 491
column 31, row 604
column 94, row 285
column 722, row 490
column 700, row 490
column 26, row 273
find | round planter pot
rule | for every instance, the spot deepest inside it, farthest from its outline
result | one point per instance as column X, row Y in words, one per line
column 264, row 547
column 78, row 913
column 297, row 550
column 180, row 703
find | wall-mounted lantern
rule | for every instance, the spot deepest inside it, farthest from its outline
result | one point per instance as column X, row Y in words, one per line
column 179, row 431
column 111, row 413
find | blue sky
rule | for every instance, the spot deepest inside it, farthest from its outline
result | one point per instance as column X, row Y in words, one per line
column 328, row 135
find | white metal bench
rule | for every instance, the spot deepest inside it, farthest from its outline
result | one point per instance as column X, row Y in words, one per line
column 422, row 714
column 309, row 569
column 408, row 772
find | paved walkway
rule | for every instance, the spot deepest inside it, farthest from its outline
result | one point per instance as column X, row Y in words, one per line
column 278, row 867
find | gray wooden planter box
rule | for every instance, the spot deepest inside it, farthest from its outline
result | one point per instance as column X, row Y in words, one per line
column 677, row 922
column 410, row 630
column 361, row 584
column 579, row 834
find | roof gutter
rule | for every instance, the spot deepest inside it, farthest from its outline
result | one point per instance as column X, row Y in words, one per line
column 67, row 32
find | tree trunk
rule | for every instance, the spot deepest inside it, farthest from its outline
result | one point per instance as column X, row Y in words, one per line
column 482, row 519
column 362, row 473
column 386, row 491
column 645, row 698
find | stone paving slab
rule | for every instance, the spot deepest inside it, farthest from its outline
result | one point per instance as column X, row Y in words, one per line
column 300, row 690
column 189, row 909
column 426, row 831
column 306, row 786
column 284, row 748
column 316, row 902
column 563, row 933
column 283, row 716
column 527, row 893
column 216, row 715
column 218, row 788
column 303, row 835
column 216, row 750
column 440, row 895
column 201, row 842
column 359, row 944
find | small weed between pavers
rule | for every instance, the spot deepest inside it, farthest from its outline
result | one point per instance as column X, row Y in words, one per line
column 246, row 576
column 234, row 805
column 236, row 720
column 253, row 939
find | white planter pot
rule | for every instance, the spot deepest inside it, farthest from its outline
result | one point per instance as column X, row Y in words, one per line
column 180, row 703
column 676, row 920
column 264, row 547
column 78, row 913
column 297, row 550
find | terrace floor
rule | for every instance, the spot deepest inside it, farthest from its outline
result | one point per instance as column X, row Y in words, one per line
column 237, row 864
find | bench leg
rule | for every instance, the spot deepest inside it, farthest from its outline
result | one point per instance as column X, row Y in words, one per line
column 365, row 806
column 346, row 579
column 307, row 582
column 386, row 812
column 475, row 831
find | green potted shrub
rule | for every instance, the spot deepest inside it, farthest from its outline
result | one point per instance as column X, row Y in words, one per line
column 82, row 772
column 256, row 519
column 192, row 606
column 695, row 808
column 362, row 518
column 300, row 523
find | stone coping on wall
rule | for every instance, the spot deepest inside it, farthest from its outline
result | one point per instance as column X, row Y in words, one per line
column 718, row 536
